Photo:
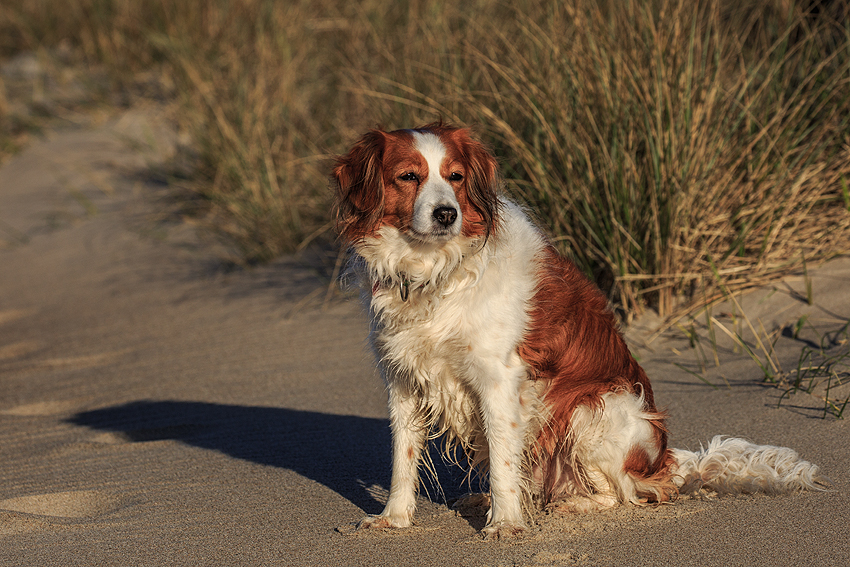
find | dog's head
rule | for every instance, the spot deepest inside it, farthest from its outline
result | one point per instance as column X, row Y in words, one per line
column 432, row 183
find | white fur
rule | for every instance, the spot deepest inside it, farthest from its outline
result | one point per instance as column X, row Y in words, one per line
column 448, row 353
column 731, row 465
column 435, row 192
column 602, row 441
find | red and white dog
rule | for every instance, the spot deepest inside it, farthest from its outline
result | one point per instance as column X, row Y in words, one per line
column 483, row 333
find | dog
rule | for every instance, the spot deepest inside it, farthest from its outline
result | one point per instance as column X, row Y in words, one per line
column 485, row 335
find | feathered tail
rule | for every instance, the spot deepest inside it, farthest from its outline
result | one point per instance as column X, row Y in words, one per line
column 735, row 466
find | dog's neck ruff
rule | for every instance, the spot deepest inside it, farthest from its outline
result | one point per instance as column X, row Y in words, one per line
column 400, row 270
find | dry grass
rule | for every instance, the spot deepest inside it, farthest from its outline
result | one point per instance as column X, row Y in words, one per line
column 820, row 375
column 663, row 143
column 663, row 146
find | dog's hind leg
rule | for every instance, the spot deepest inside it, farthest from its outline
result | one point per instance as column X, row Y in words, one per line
column 620, row 451
column 601, row 495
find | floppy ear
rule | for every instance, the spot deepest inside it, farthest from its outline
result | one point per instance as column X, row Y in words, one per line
column 360, row 188
column 482, row 180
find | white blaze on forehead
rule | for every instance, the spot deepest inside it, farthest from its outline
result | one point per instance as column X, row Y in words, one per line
column 435, row 191
column 432, row 149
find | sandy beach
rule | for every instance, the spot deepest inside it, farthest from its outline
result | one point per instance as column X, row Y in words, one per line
column 156, row 409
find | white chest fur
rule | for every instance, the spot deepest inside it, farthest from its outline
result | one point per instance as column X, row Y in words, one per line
column 466, row 308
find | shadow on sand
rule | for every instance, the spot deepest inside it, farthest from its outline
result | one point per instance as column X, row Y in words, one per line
column 348, row 454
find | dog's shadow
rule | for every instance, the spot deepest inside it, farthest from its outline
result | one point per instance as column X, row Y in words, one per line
column 348, row 454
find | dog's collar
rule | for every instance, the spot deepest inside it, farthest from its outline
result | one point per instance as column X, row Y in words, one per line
column 403, row 288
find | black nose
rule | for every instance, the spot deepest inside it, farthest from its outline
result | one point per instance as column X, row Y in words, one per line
column 445, row 215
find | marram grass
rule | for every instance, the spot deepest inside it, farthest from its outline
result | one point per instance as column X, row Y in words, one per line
column 663, row 144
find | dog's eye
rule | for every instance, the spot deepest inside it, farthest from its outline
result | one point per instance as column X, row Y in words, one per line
column 409, row 176
column 455, row 177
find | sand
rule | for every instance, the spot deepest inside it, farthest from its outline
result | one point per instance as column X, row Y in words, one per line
column 156, row 409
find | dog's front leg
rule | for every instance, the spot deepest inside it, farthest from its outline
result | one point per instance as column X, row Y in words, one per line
column 408, row 441
column 505, row 430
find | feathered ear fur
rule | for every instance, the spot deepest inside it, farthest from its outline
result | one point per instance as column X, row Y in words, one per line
column 482, row 180
column 360, row 187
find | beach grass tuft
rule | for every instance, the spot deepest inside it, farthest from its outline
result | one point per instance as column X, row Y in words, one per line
column 677, row 150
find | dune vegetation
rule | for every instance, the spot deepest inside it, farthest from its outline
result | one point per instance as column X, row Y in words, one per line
column 666, row 145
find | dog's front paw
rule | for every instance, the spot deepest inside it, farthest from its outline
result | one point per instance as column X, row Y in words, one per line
column 382, row 522
column 502, row 530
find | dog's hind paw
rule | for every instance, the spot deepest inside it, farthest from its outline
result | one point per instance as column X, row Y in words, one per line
column 382, row 522
column 472, row 505
column 502, row 530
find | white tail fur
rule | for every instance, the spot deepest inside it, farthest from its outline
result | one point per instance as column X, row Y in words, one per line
column 735, row 466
